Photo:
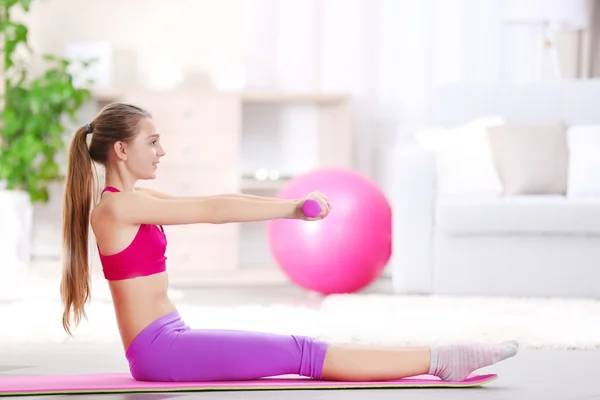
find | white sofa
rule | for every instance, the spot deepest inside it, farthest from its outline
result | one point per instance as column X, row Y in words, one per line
column 477, row 241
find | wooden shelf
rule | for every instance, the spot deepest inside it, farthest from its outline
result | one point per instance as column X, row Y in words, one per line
column 253, row 185
column 243, row 277
column 252, row 97
column 316, row 98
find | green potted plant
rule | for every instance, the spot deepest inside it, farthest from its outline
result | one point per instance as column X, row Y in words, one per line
column 34, row 113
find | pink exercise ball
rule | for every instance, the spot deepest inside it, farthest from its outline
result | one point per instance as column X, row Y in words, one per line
column 347, row 250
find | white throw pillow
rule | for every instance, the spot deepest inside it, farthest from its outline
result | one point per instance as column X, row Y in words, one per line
column 531, row 159
column 464, row 163
column 584, row 161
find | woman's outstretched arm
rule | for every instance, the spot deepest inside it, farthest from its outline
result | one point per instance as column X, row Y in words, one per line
column 138, row 208
column 165, row 196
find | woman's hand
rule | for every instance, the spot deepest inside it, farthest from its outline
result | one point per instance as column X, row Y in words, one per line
column 321, row 199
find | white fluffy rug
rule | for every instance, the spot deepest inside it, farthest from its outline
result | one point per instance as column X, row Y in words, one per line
column 357, row 319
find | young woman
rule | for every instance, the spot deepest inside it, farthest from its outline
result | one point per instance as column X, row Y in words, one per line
column 127, row 223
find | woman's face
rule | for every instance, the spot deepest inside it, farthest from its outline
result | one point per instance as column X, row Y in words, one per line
column 144, row 153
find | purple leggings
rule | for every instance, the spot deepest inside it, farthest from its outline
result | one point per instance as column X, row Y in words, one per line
column 169, row 350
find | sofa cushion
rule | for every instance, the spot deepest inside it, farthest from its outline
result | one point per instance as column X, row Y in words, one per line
column 530, row 159
column 584, row 163
column 515, row 215
column 463, row 157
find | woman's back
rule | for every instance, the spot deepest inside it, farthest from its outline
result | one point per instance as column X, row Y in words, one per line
column 133, row 263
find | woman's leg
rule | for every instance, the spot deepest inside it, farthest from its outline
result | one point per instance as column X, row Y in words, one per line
column 168, row 350
column 349, row 363
column 229, row 355
column 454, row 362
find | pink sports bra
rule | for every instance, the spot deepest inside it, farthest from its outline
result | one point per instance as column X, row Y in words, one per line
column 144, row 256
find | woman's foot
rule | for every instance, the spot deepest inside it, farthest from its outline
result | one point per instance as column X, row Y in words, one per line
column 455, row 362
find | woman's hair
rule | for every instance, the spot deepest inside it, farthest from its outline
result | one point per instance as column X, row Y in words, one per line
column 115, row 122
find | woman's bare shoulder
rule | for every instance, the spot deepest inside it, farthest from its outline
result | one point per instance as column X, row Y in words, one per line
column 104, row 210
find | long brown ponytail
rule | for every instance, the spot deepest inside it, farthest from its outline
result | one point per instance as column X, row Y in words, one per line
column 77, row 202
column 115, row 122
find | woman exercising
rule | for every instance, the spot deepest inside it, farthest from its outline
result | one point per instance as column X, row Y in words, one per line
column 127, row 223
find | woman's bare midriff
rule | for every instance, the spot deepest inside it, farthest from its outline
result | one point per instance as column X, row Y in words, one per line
column 138, row 302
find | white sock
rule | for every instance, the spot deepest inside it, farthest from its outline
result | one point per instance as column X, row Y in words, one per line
column 455, row 362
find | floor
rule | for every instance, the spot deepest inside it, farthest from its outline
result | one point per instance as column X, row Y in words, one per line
column 532, row 374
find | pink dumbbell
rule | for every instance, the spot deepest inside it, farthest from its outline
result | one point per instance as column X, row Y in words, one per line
column 311, row 208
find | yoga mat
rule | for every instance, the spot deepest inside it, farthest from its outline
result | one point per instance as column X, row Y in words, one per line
column 124, row 383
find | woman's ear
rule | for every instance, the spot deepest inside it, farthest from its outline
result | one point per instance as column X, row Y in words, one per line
column 120, row 150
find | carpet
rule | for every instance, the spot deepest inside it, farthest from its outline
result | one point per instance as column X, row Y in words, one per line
column 359, row 319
